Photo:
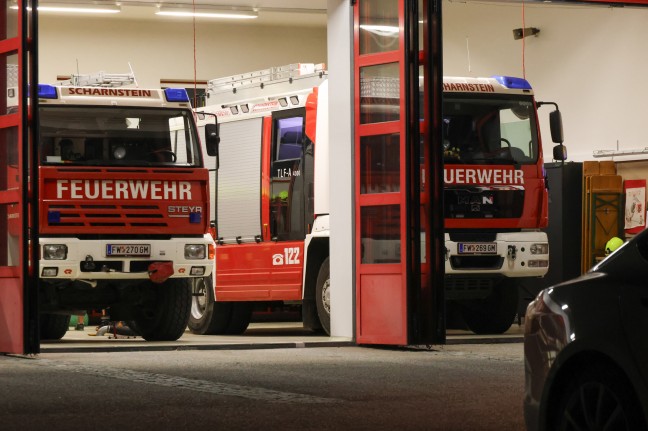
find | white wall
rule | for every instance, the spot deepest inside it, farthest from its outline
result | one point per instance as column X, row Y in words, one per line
column 340, row 42
column 592, row 61
column 164, row 49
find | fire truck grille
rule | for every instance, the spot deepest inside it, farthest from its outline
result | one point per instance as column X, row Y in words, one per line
column 476, row 203
column 107, row 216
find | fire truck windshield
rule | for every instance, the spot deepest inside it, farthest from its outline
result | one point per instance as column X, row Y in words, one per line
column 121, row 136
column 489, row 130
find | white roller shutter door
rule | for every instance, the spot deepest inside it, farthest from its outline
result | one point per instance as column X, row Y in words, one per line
column 239, row 181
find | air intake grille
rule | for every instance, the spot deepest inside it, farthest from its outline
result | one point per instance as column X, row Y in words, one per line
column 484, row 202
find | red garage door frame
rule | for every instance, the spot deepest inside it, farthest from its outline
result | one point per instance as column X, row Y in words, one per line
column 18, row 299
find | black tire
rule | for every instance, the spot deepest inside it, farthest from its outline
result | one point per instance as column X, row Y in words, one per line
column 597, row 395
column 240, row 318
column 494, row 314
column 166, row 315
column 323, row 296
column 206, row 317
column 54, row 326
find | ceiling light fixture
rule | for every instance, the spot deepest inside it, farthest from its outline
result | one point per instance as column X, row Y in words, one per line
column 76, row 8
column 204, row 12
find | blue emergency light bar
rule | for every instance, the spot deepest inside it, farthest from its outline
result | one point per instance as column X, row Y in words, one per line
column 176, row 95
column 513, row 83
column 46, row 91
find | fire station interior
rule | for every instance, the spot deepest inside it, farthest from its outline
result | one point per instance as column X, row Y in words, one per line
column 585, row 57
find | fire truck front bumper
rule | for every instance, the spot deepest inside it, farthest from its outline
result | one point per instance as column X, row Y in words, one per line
column 74, row 259
column 515, row 254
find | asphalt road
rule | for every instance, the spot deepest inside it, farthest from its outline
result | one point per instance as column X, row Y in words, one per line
column 453, row 387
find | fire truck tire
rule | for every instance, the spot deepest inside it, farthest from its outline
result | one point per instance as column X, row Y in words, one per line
column 323, row 296
column 166, row 317
column 208, row 317
column 240, row 319
column 494, row 314
column 54, row 326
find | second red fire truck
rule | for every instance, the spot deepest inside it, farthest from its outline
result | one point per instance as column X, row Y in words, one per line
column 271, row 198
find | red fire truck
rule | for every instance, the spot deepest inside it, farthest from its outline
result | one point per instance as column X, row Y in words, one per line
column 123, row 196
column 272, row 198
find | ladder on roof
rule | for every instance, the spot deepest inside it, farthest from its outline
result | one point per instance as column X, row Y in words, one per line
column 262, row 77
column 101, row 79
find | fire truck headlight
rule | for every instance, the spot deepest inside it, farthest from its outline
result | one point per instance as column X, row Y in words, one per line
column 538, row 264
column 542, row 248
column 55, row 252
column 195, row 251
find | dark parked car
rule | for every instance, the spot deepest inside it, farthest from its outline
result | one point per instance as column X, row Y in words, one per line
column 586, row 347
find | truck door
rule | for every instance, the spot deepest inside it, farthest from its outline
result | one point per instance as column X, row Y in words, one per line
column 287, row 215
column 260, row 208
column 18, row 301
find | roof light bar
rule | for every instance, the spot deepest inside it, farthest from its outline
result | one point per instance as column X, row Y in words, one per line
column 513, row 83
column 176, row 95
column 46, row 91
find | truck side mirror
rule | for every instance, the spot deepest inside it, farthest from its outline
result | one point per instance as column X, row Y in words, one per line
column 560, row 152
column 556, row 126
column 212, row 139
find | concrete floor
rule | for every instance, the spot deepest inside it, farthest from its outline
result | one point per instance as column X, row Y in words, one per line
column 258, row 336
column 236, row 386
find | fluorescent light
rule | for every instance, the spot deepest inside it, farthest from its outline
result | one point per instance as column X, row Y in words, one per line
column 80, row 8
column 75, row 8
column 204, row 12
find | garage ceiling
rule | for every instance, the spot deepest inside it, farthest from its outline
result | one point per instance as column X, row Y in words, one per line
column 270, row 12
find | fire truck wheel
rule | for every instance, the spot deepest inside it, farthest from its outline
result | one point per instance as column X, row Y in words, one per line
column 323, row 296
column 166, row 315
column 53, row 326
column 207, row 317
column 240, row 319
column 494, row 314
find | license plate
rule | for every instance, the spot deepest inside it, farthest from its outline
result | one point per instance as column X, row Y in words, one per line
column 477, row 248
column 128, row 250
